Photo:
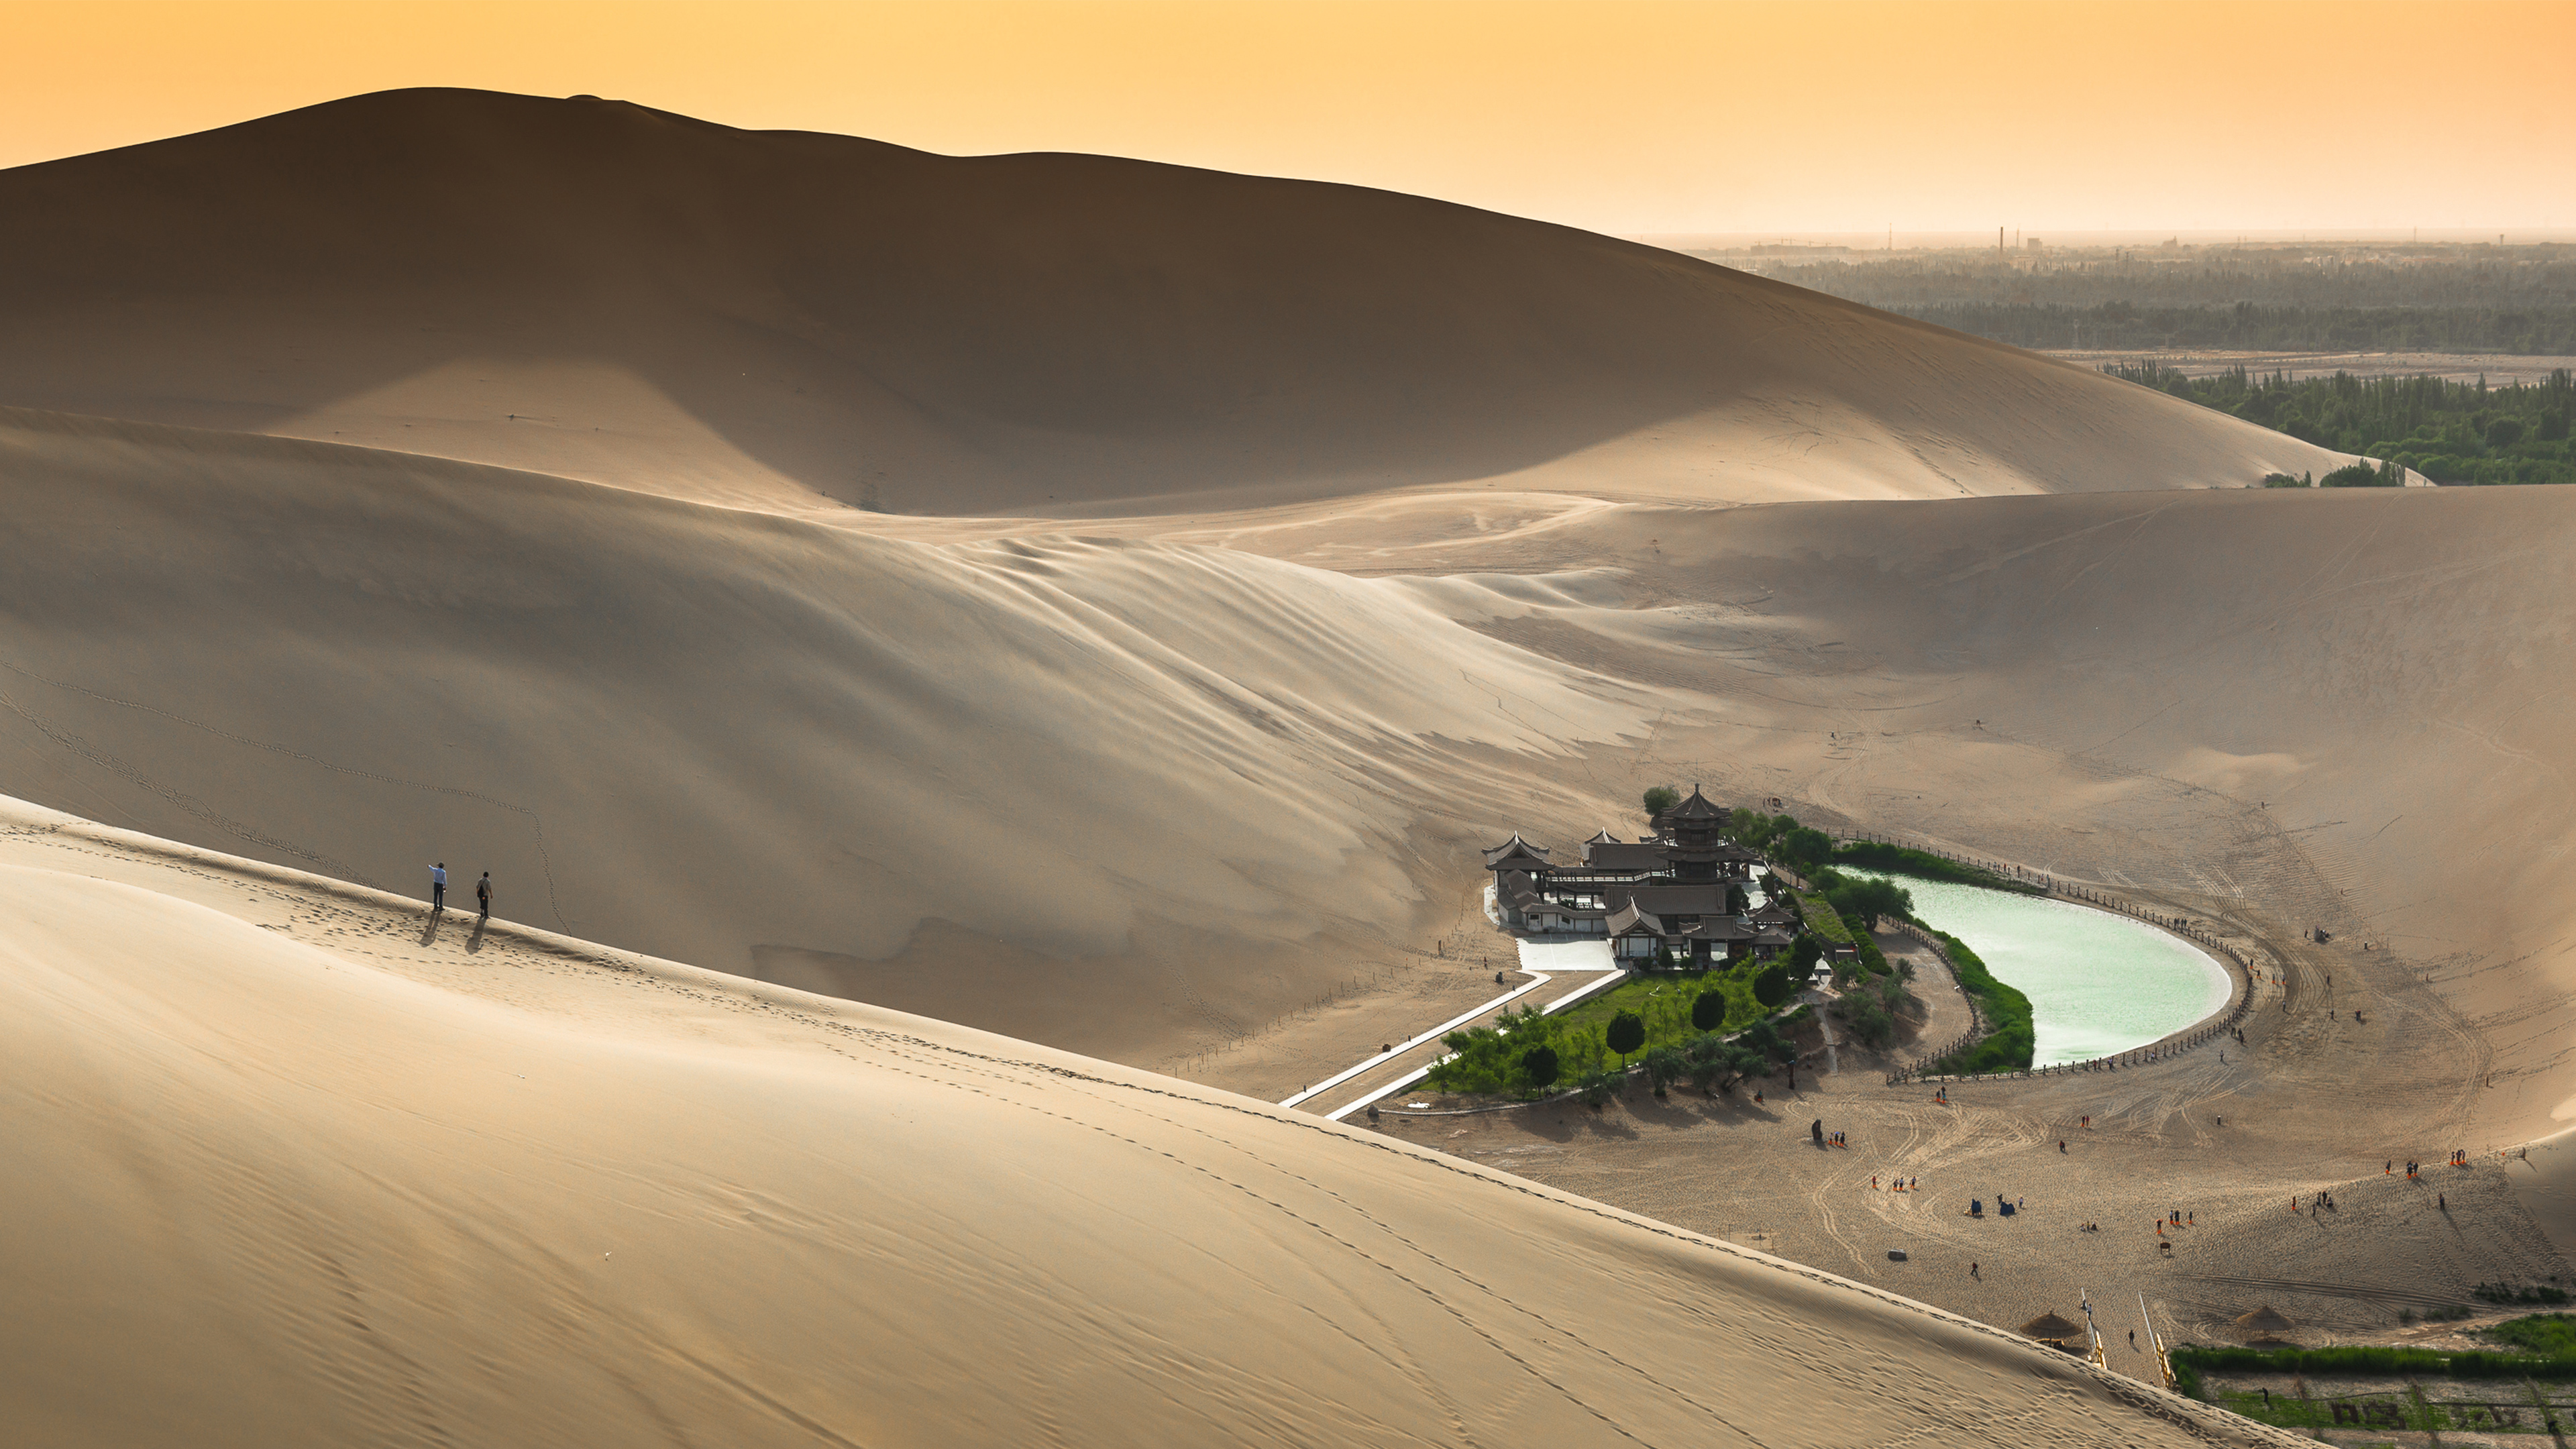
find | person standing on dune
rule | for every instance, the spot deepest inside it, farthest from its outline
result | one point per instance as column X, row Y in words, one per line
column 438, row 888
column 483, row 895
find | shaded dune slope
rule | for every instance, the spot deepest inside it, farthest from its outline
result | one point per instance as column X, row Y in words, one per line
column 285, row 1173
column 607, row 292
column 1122, row 795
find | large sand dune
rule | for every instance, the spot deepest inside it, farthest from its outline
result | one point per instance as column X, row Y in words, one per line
column 1122, row 795
column 286, row 1169
column 1413, row 525
column 598, row 290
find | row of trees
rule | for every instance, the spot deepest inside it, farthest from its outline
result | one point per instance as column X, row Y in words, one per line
column 2451, row 432
column 2523, row 281
column 2122, row 327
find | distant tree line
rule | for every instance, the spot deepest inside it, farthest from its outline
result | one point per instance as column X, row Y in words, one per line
column 2428, row 299
column 2451, row 432
column 2246, row 327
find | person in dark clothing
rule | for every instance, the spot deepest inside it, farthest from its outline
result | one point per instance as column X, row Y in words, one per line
column 483, row 894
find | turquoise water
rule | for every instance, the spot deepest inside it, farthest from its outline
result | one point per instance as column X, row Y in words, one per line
column 2097, row 983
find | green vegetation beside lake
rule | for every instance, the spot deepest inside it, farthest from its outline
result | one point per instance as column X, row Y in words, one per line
column 2011, row 1038
column 1901, row 860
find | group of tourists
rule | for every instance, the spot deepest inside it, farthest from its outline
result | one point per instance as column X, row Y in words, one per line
column 438, row 892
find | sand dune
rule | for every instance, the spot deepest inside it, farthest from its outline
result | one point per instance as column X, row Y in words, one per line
column 595, row 289
column 284, row 1171
column 1120, row 795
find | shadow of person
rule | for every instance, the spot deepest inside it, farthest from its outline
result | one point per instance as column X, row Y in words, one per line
column 475, row 941
column 429, row 930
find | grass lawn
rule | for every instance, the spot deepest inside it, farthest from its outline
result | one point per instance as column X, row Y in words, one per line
column 1491, row 1060
column 1823, row 919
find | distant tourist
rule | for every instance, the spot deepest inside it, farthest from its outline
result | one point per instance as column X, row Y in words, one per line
column 483, row 894
column 438, row 888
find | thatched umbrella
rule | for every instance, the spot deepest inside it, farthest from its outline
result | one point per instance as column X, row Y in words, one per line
column 2264, row 1320
column 2050, row 1326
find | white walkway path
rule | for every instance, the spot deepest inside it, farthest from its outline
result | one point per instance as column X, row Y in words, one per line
column 1544, row 960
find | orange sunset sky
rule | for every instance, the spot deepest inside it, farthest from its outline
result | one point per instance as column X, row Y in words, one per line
column 1629, row 118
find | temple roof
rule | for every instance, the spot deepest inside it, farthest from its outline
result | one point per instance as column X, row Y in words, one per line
column 1628, row 918
column 1641, row 857
column 1697, row 807
column 1666, row 898
column 1603, row 837
column 1514, row 849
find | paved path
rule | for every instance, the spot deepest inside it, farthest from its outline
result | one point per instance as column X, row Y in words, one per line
column 1389, row 1072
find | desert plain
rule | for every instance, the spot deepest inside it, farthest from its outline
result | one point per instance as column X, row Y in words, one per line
column 977, row 677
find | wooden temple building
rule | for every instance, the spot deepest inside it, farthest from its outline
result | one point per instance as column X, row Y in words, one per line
column 1683, row 894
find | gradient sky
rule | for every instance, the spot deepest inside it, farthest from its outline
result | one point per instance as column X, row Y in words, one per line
column 1621, row 116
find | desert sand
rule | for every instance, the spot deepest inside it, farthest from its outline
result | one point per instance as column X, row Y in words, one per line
column 310, row 1169
column 1105, row 605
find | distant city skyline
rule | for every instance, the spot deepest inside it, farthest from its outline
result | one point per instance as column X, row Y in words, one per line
column 1634, row 119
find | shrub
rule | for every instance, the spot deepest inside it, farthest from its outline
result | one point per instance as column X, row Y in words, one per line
column 1708, row 1011
column 2506, row 1293
column 2281, row 480
column 1772, row 986
column 1599, row 1087
column 1868, row 1017
column 2549, row 1334
column 2364, row 475
column 1665, row 1066
column 2008, row 1046
column 1805, row 952
column 1660, row 798
column 1764, row 1038
column 1806, row 847
column 2355, row 1360
column 1899, row 860
column 1539, row 1064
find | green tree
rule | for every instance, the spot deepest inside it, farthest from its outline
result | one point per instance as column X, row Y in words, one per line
column 1805, row 847
column 1805, row 952
column 1660, row 798
column 1665, row 1066
column 1627, row 1033
column 2359, row 475
column 1870, row 900
column 1708, row 1010
column 1540, row 1066
column 1772, row 986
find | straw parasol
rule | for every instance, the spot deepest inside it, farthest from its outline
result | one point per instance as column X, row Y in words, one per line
column 2049, row 1325
column 2264, row 1320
